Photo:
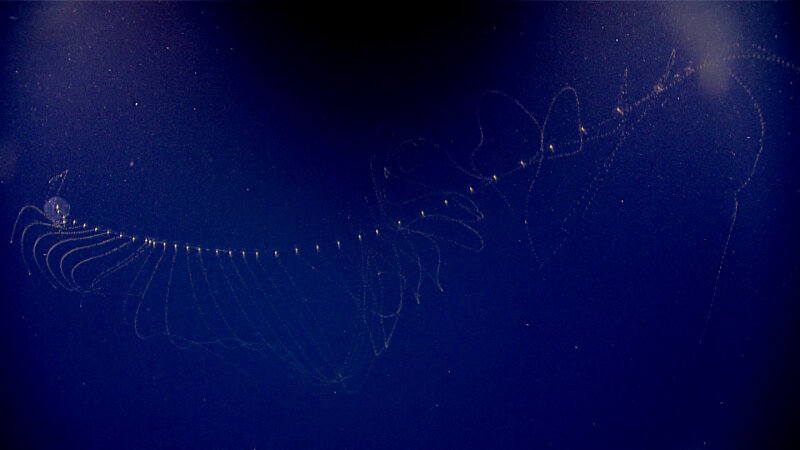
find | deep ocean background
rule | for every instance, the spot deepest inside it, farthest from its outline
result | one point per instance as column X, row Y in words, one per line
column 243, row 125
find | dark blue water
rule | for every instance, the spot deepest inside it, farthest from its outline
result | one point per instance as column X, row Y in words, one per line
column 492, row 226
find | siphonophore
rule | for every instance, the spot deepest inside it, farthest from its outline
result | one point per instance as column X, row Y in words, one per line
column 327, row 310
